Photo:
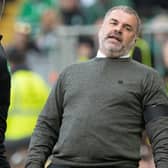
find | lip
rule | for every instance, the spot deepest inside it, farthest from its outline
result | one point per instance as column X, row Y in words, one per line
column 116, row 38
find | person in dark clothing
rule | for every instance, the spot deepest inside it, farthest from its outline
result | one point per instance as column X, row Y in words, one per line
column 97, row 111
column 4, row 103
column 71, row 13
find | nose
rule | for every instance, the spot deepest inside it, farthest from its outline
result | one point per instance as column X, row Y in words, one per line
column 118, row 29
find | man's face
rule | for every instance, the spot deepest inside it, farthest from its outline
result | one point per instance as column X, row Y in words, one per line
column 117, row 34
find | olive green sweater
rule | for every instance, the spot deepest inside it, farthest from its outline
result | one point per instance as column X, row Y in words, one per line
column 94, row 115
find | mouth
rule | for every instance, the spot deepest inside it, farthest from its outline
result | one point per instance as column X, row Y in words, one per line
column 114, row 37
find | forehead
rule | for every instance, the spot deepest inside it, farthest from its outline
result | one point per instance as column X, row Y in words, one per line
column 122, row 16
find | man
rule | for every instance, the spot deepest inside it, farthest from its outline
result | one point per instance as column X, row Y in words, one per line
column 29, row 92
column 95, row 115
column 4, row 104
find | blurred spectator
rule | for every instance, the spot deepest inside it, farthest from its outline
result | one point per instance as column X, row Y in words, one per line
column 85, row 48
column 31, row 11
column 46, row 39
column 159, row 28
column 71, row 12
column 47, row 42
column 23, row 43
column 87, row 3
column 155, row 6
column 165, row 62
column 159, row 25
column 163, row 4
column 22, row 40
column 143, row 6
column 28, row 95
column 99, row 8
column 141, row 52
column 165, row 56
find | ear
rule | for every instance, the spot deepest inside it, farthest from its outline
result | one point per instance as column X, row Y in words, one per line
column 135, row 39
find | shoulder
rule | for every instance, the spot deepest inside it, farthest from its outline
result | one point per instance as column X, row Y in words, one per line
column 26, row 75
column 4, row 69
column 2, row 60
column 146, row 73
column 143, row 67
column 151, row 77
column 77, row 67
column 73, row 72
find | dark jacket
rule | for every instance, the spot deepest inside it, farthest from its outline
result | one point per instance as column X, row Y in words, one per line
column 4, row 104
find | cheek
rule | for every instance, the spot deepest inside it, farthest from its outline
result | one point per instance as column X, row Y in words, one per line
column 104, row 30
column 101, row 35
column 129, row 38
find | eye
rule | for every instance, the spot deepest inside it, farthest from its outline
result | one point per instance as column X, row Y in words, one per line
column 113, row 22
column 128, row 28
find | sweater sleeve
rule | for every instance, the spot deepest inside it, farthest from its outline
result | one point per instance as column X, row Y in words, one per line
column 158, row 134
column 47, row 129
column 4, row 104
column 156, row 108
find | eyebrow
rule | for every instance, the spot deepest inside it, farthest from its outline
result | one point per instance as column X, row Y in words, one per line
column 125, row 24
column 112, row 19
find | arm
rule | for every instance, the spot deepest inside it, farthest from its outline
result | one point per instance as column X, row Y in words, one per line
column 156, row 119
column 158, row 134
column 4, row 104
column 47, row 129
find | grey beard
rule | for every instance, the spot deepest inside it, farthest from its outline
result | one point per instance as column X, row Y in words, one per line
column 118, row 53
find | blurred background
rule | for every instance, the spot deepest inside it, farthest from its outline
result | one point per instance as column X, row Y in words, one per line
column 42, row 37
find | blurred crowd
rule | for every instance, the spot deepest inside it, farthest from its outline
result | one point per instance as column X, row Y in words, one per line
column 36, row 41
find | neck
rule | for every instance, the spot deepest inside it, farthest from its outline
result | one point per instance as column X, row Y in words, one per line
column 113, row 54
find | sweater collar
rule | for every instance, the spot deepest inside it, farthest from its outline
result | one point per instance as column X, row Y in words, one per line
column 101, row 55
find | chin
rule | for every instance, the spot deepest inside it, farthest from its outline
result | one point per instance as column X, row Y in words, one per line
column 114, row 54
column 112, row 50
column 115, row 48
